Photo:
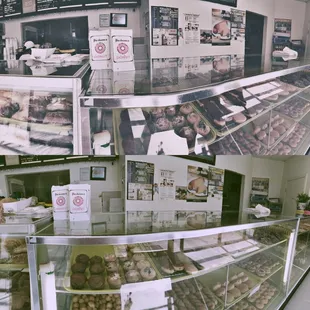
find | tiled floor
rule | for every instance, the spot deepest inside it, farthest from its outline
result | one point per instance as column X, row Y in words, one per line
column 301, row 298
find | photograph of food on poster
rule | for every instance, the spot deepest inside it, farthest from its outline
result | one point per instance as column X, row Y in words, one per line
column 165, row 24
column 282, row 27
column 260, row 186
column 194, row 220
column 221, row 22
column 197, row 184
column 221, row 68
column 180, row 192
column 191, row 29
column 140, row 180
column 205, row 36
column 166, row 185
column 216, row 182
column 237, row 66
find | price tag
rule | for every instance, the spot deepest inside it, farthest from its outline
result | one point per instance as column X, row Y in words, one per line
column 256, row 289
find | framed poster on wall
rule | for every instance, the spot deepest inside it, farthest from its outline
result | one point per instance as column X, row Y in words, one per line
column 165, row 24
column 232, row 3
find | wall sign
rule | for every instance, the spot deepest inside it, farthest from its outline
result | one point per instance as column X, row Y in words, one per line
column 12, row 7
column 46, row 5
column 104, row 20
column 29, row 6
column 260, row 186
column 232, row 3
column 165, row 24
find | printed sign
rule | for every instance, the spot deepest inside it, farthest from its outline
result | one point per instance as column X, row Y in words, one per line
column 100, row 47
column 122, row 49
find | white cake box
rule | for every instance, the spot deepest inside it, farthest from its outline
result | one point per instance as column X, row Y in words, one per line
column 16, row 206
column 79, row 202
column 60, row 199
column 100, row 51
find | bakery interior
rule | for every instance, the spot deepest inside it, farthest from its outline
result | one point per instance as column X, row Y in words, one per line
column 216, row 77
column 153, row 232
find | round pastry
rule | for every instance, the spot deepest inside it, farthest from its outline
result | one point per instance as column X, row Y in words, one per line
column 114, row 280
column 170, row 111
column 233, row 278
column 219, row 122
column 260, row 272
column 220, row 292
column 186, row 109
column 128, row 265
column 280, row 129
column 237, row 282
column 259, row 305
column 250, row 284
column 132, row 276
column 243, row 288
column 78, row 281
column 244, row 278
column 256, row 130
column 112, row 267
column 96, row 269
column 189, row 134
column 143, row 264
column 96, row 282
column 148, row 273
column 178, row 122
column 236, row 292
column 211, row 305
column 82, row 258
column 230, row 286
column 241, row 274
column 139, row 256
column 261, row 135
column 230, row 297
column 78, row 268
column 239, row 118
column 157, row 113
column 216, row 287
column 193, row 118
column 202, row 129
column 109, row 258
column 96, row 260
column 251, row 308
column 162, row 124
column 243, row 304
column 275, row 134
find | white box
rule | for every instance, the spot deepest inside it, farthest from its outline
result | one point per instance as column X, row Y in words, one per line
column 79, row 202
column 41, row 54
column 122, row 50
column 15, row 207
column 100, row 51
column 60, row 199
column 81, row 228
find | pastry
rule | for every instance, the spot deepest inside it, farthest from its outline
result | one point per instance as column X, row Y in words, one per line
column 202, row 129
column 189, row 134
column 243, row 288
column 230, row 286
column 148, row 273
column 244, row 278
column 170, row 111
column 114, row 280
column 178, row 122
column 190, row 268
column 138, row 256
column 59, row 104
column 96, row 282
column 239, row 118
column 216, row 287
column 233, row 278
column 128, row 265
column 143, row 264
column 109, row 258
column 261, row 272
column 236, row 292
column 132, row 276
column 157, row 113
column 96, row 260
column 230, row 297
column 165, row 264
column 250, row 284
column 193, row 118
column 58, row 118
column 78, row 281
column 78, row 268
column 186, row 109
column 96, row 268
column 240, row 274
column 82, row 258
column 162, row 124
column 259, row 305
column 112, row 267
column 220, row 292
column 261, row 135
column 237, row 282
column 243, row 304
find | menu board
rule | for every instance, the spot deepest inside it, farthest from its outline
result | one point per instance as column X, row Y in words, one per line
column 45, row 5
column 68, row 3
column 29, row 6
column 12, row 7
column 224, row 2
column 25, row 159
column 1, row 9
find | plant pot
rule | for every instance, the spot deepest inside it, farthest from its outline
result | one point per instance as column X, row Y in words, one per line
column 301, row 206
column 307, row 212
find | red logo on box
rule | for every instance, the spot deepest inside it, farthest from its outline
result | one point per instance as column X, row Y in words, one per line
column 100, row 48
column 60, row 201
column 78, row 201
column 123, row 48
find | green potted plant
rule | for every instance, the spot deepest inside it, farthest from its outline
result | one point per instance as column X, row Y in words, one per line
column 302, row 202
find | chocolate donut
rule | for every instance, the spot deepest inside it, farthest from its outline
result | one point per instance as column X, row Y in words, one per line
column 186, row 109
column 162, row 124
column 193, row 118
column 202, row 128
column 178, row 122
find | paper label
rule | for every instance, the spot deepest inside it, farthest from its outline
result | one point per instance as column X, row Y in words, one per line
column 122, row 48
column 136, row 114
column 100, row 47
column 60, row 201
column 78, row 201
column 256, row 289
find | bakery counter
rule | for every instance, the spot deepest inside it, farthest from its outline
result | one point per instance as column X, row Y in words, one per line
column 221, row 267
column 268, row 118
column 39, row 116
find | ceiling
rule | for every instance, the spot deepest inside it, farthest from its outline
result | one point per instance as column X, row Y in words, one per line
column 276, row 157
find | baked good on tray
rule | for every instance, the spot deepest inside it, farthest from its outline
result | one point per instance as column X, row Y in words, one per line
column 96, row 260
column 96, row 268
column 148, row 273
column 96, row 282
column 114, row 280
column 78, row 268
column 78, row 281
column 132, row 276
column 82, row 258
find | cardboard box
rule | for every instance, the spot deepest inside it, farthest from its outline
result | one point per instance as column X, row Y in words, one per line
column 79, row 202
column 60, row 197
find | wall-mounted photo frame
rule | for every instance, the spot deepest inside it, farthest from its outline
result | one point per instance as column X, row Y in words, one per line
column 98, row 173
column 118, row 20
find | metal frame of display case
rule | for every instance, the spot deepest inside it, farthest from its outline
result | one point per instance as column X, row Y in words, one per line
column 37, row 240
column 72, row 84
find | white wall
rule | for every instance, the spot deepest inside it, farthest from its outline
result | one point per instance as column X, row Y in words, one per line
column 272, row 9
column 272, row 170
column 112, row 183
column 14, row 28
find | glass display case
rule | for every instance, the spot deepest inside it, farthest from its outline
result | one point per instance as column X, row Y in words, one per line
column 115, row 262
column 14, row 272
column 38, row 107
column 215, row 107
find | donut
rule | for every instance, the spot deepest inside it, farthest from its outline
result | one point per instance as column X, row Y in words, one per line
column 132, row 276
column 128, row 265
column 157, row 113
column 137, row 257
column 236, row 292
column 193, row 118
column 178, row 122
column 233, row 278
column 261, row 135
column 243, row 288
column 109, row 258
column 148, row 273
column 186, row 109
column 239, row 118
column 162, row 124
column 220, row 292
column 230, row 286
column 216, row 287
column 202, row 128
column 230, row 297
column 237, row 282
column 250, row 283
column 170, row 111
column 143, row 264
column 244, row 278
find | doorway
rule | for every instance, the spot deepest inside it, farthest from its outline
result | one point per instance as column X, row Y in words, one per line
column 231, row 198
column 292, row 189
column 254, row 35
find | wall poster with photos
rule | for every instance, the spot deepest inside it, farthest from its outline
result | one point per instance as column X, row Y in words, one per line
column 260, row 186
column 140, row 180
column 165, row 25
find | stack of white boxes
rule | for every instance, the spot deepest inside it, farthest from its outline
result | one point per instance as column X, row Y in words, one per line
column 111, row 49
